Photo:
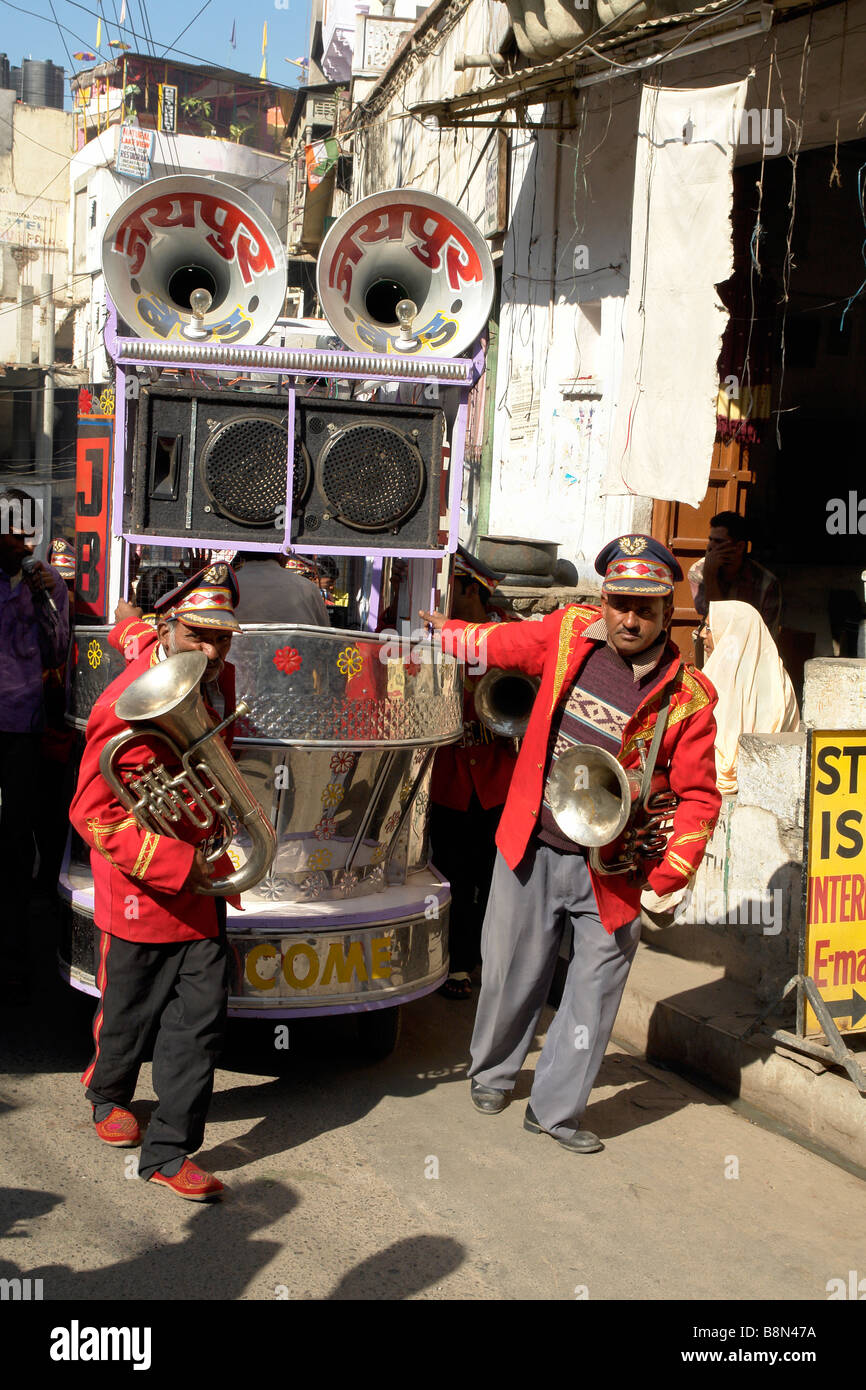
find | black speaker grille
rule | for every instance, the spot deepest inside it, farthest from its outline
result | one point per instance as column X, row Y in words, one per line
column 372, row 476
column 243, row 467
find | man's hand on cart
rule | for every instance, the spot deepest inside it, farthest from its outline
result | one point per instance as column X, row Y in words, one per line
column 126, row 610
column 435, row 621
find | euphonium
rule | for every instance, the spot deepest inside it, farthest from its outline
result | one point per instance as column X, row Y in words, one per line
column 165, row 703
column 504, row 700
column 595, row 800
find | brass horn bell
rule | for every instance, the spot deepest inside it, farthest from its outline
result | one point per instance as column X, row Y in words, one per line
column 165, row 703
column 590, row 795
column 504, row 700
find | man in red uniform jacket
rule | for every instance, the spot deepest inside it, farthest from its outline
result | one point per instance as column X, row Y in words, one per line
column 162, row 956
column 605, row 675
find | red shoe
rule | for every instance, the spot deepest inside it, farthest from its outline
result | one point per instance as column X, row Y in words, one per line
column 120, row 1128
column 191, row 1183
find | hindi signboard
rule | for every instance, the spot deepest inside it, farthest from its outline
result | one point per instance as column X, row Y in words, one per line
column 134, row 152
column 833, row 945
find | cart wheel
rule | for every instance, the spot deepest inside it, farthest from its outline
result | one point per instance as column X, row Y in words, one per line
column 378, row 1032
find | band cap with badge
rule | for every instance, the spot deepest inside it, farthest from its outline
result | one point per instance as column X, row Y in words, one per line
column 61, row 556
column 206, row 599
column 637, row 564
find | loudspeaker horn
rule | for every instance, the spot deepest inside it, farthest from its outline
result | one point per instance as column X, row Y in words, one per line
column 404, row 245
column 186, row 233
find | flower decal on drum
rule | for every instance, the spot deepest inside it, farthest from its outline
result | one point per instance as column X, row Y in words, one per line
column 94, row 654
column 314, row 885
column 406, row 790
column 391, row 823
column 287, row 660
column 349, row 661
column 378, row 854
column 272, row 887
column 320, row 859
column 343, row 762
column 332, row 794
column 326, row 828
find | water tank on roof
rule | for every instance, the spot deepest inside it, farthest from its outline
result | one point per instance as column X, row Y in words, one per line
column 56, row 96
column 40, row 83
column 5, row 80
column 15, row 81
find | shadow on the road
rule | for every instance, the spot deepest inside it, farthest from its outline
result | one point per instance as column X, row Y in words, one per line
column 401, row 1270
column 217, row 1259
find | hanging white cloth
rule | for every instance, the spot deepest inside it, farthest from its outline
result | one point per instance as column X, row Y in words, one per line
column 665, row 414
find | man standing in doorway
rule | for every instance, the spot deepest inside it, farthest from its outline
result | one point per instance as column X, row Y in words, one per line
column 727, row 572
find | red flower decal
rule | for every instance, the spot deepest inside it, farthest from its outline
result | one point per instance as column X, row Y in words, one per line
column 287, row 659
column 85, row 401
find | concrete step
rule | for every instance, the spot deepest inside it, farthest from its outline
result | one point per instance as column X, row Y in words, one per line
column 688, row 1013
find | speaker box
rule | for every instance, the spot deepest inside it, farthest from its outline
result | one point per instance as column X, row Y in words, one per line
column 211, row 465
column 375, row 472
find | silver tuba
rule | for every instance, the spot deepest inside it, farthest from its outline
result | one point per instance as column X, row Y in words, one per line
column 504, row 700
column 165, row 703
column 594, row 800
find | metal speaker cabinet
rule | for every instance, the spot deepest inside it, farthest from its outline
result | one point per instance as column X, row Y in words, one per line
column 212, row 464
column 375, row 474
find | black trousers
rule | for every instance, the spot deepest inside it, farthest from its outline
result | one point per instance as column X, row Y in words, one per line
column 462, row 847
column 20, row 759
column 175, row 994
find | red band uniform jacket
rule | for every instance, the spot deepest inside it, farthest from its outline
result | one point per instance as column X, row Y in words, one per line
column 138, row 876
column 555, row 649
column 485, row 766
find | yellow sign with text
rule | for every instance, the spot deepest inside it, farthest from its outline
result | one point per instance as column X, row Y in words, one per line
column 835, row 929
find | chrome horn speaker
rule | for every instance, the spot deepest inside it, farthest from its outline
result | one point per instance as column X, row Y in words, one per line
column 407, row 273
column 165, row 703
column 193, row 259
column 504, row 700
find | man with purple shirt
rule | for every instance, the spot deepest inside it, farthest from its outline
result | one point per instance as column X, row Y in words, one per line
column 34, row 634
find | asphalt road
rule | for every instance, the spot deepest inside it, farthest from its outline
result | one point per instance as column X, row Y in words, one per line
column 351, row 1180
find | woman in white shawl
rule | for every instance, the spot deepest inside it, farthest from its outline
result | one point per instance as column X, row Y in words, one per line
column 755, row 692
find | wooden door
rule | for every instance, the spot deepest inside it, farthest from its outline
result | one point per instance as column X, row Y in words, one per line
column 684, row 529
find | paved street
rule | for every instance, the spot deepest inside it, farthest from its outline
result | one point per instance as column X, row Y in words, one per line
column 381, row 1181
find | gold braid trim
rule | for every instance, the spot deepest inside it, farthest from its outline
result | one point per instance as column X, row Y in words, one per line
column 145, row 854
column 98, row 830
column 703, row 834
column 121, row 636
column 695, row 699
column 682, row 866
column 566, row 632
column 475, row 633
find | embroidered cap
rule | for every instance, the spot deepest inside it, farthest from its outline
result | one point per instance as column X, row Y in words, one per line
column 637, row 564
column 470, row 567
column 303, row 565
column 207, row 599
column 62, row 556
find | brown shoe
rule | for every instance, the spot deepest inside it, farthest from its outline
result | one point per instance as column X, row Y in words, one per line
column 191, row 1182
column 120, row 1129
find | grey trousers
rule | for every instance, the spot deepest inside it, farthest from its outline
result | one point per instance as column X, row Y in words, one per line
column 527, row 913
